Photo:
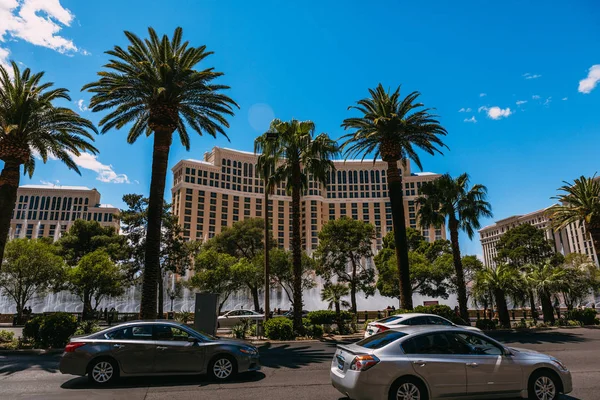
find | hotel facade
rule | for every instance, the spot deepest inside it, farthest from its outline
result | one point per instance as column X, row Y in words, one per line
column 46, row 211
column 223, row 188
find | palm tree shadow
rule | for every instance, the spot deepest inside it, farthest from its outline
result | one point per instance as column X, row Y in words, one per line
column 285, row 356
column 47, row 363
column 537, row 337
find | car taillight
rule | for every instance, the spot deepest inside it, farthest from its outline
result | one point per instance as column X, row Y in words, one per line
column 381, row 328
column 363, row 362
column 72, row 346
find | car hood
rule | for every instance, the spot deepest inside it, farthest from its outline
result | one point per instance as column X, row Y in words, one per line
column 232, row 342
column 527, row 353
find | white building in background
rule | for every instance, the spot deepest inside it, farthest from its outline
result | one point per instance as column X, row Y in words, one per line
column 46, row 211
column 572, row 239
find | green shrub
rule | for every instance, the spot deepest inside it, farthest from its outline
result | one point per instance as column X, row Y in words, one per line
column 522, row 324
column 439, row 309
column 87, row 327
column 279, row 329
column 486, row 324
column 6, row 336
column 311, row 330
column 586, row 316
column 328, row 317
column 51, row 330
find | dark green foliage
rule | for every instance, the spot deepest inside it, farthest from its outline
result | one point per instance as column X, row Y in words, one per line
column 486, row 324
column 328, row 317
column 440, row 309
column 586, row 316
column 52, row 330
column 279, row 329
column 88, row 327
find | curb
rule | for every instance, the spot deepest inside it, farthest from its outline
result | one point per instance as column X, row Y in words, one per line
column 323, row 339
column 31, row 352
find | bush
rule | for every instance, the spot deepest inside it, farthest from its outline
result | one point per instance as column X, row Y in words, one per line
column 87, row 327
column 51, row 330
column 586, row 316
column 279, row 329
column 244, row 328
column 314, row 331
column 486, row 324
column 440, row 309
column 6, row 336
column 567, row 322
column 328, row 317
column 521, row 324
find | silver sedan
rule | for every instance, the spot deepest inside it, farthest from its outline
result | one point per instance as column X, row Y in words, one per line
column 433, row 362
column 155, row 348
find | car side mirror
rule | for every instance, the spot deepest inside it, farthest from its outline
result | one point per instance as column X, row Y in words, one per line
column 192, row 339
column 507, row 352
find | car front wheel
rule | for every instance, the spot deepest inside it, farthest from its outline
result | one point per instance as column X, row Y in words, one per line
column 543, row 386
column 222, row 368
column 103, row 371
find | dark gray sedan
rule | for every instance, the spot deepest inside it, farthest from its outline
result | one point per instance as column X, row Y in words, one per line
column 155, row 348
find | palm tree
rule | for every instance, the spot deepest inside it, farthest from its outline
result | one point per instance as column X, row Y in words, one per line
column 299, row 156
column 546, row 279
column 580, row 203
column 153, row 86
column 333, row 294
column 30, row 125
column 451, row 199
column 394, row 128
column 499, row 281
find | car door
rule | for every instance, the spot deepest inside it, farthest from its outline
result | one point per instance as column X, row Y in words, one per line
column 133, row 347
column 231, row 318
column 175, row 353
column 489, row 370
column 432, row 359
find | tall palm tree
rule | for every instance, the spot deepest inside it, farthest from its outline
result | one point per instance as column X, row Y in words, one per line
column 580, row 203
column 499, row 281
column 333, row 294
column 153, row 87
column 451, row 199
column 30, row 124
column 547, row 280
column 394, row 129
column 299, row 156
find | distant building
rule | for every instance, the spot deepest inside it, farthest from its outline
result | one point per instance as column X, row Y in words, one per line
column 572, row 239
column 46, row 211
column 223, row 188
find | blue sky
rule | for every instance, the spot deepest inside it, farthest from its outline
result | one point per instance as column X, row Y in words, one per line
column 524, row 71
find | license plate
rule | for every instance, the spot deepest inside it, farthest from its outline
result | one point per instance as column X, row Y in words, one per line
column 340, row 362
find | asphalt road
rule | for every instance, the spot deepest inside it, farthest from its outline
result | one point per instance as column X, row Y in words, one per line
column 290, row 371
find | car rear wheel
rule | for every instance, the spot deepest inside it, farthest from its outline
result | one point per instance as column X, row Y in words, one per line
column 103, row 372
column 222, row 367
column 543, row 386
column 408, row 389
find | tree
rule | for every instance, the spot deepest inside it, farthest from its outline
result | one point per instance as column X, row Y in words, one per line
column 94, row 277
column 333, row 294
column 451, row 199
column 30, row 267
column 580, row 203
column 392, row 128
column 299, row 156
column 214, row 273
column 581, row 278
column 499, row 281
column 347, row 243
column 283, row 276
column 547, row 280
column 84, row 237
column 152, row 86
column 31, row 126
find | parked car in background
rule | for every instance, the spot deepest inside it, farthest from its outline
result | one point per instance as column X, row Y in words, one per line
column 155, row 348
column 290, row 314
column 234, row 317
column 435, row 362
column 410, row 319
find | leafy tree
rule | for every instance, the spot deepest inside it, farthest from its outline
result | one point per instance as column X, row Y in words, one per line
column 94, row 277
column 547, row 280
column 30, row 267
column 347, row 242
column 581, row 278
column 214, row 273
column 334, row 294
column 152, row 87
column 579, row 203
column 392, row 128
column 500, row 282
column 84, row 237
column 449, row 199
column 299, row 156
column 30, row 124
column 282, row 272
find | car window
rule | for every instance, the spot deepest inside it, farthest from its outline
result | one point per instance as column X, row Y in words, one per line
column 416, row 321
column 136, row 332
column 434, row 343
column 438, row 321
column 393, row 318
column 477, row 345
column 380, row 340
column 247, row 312
column 234, row 313
column 168, row 332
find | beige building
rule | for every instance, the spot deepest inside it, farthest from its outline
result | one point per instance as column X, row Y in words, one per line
column 45, row 211
column 572, row 239
column 223, row 188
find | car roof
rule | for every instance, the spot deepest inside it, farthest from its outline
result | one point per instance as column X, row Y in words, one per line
column 416, row 329
column 149, row 321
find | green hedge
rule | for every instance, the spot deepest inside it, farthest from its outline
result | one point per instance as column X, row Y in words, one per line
column 52, row 330
column 586, row 316
column 328, row 317
column 279, row 329
column 440, row 309
column 314, row 331
column 486, row 324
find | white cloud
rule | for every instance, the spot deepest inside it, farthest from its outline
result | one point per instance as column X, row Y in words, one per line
column 136, row 181
column 482, row 94
column 472, row 119
column 535, row 97
column 548, row 101
column 588, row 84
column 565, row 98
column 520, row 102
column 496, row 112
column 105, row 172
column 81, row 105
column 4, row 59
column 527, row 75
column 50, row 184
column 482, row 108
column 468, row 109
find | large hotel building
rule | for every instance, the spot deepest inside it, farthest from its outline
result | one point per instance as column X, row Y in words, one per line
column 223, row 188
column 45, row 211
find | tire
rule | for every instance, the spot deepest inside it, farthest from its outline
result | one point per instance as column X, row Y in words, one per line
column 222, row 367
column 103, row 371
column 409, row 386
column 543, row 385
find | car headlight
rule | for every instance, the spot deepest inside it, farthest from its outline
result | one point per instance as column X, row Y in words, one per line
column 559, row 364
column 249, row 350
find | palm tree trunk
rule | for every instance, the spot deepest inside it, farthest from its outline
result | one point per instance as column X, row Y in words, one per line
column 9, row 183
column 266, row 250
column 87, row 305
column 547, row 308
column 297, row 249
column 255, row 297
column 353, row 287
column 461, row 289
column 503, row 315
column 161, row 297
column 534, row 313
column 160, row 160
column 397, row 202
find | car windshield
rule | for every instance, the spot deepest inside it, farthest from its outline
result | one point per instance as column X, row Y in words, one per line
column 393, row 318
column 205, row 336
column 380, row 340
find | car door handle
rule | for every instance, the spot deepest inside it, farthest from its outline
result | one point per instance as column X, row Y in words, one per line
column 419, row 363
column 472, row 365
column 118, row 346
column 161, row 347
